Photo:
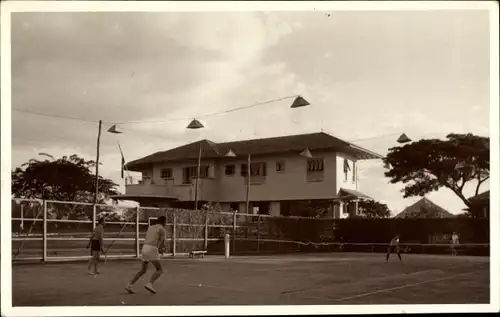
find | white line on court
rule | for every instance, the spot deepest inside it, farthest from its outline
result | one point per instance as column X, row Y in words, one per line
column 385, row 277
column 403, row 286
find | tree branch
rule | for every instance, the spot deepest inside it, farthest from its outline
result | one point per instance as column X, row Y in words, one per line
column 459, row 194
column 480, row 181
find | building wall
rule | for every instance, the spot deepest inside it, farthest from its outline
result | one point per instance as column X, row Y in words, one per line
column 341, row 179
column 291, row 184
column 174, row 187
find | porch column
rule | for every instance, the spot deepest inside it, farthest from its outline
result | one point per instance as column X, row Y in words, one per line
column 341, row 209
column 356, row 211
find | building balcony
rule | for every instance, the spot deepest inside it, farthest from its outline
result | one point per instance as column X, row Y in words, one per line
column 184, row 192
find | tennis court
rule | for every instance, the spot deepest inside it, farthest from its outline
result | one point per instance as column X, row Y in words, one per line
column 298, row 279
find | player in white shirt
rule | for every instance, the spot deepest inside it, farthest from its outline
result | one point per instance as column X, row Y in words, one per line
column 454, row 243
column 154, row 245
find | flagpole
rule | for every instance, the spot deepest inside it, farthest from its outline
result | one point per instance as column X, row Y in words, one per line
column 123, row 160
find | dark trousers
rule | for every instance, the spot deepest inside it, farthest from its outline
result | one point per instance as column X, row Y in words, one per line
column 393, row 248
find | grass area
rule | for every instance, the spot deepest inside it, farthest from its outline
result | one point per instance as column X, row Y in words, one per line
column 322, row 279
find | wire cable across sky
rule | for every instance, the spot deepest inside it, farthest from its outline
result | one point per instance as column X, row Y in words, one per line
column 206, row 115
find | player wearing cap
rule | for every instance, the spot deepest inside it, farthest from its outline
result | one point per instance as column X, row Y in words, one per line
column 154, row 245
column 393, row 246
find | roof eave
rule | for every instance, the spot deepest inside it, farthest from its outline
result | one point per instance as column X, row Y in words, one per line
column 364, row 154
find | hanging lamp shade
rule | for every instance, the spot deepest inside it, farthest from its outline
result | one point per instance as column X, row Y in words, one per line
column 195, row 124
column 403, row 138
column 299, row 102
column 230, row 153
column 114, row 129
column 306, row 153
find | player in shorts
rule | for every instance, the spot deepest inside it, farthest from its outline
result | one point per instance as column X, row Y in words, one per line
column 153, row 246
column 393, row 246
column 96, row 246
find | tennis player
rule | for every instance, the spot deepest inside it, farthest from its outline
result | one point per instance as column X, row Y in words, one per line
column 454, row 243
column 393, row 246
column 154, row 245
column 96, row 246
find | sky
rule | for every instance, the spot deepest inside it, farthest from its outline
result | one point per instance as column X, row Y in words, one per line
column 369, row 76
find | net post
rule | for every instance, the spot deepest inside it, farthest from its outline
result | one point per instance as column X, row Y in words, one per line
column 44, row 231
column 235, row 219
column 206, row 230
column 94, row 215
column 174, row 234
column 226, row 246
column 258, row 233
column 137, row 244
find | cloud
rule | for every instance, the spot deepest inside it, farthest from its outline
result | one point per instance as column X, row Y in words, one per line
column 366, row 74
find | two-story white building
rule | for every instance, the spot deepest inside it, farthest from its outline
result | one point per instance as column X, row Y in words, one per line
column 280, row 177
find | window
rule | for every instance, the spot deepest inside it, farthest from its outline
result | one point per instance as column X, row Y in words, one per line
column 230, row 169
column 166, row 173
column 347, row 168
column 256, row 169
column 280, row 166
column 244, row 170
column 315, row 165
column 188, row 173
column 204, row 171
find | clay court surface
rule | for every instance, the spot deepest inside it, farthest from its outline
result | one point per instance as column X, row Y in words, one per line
column 323, row 279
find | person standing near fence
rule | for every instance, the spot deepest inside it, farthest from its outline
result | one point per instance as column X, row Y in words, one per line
column 393, row 246
column 454, row 243
column 154, row 245
column 96, row 244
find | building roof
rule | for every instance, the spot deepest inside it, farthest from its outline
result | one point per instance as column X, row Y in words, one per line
column 344, row 192
column 481, row 197
column 419, row 209
column 265, row 146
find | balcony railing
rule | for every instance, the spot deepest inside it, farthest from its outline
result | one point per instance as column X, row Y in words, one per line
column 184, row 192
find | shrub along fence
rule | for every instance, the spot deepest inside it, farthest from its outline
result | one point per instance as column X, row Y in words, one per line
column 52, row 230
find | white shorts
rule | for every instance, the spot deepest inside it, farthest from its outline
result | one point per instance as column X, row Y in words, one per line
column 150, row 253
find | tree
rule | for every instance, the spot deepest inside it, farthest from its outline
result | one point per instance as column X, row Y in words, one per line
column 63, row 179
column 430, row 164
column 373, row 209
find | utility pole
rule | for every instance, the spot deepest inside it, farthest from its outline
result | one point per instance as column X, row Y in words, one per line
column 97, row 163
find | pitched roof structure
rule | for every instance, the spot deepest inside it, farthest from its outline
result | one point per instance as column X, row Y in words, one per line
column 481, row 197
column 274, row 145
column 424, row 208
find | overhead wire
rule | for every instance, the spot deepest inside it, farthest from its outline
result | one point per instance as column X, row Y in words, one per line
column 207, row 115
column 109, row 124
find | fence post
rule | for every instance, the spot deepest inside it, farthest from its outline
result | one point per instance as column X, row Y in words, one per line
column 278, row 226
column 22, row 216
column 44, row 231
column 137, row 242
column 174, row 234
column 206, row 230
column 94, row 216
column 234, row 231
